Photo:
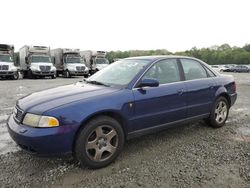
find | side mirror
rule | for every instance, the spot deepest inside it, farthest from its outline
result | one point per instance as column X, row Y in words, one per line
column 149, row 82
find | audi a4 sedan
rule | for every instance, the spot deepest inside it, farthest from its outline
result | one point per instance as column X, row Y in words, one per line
column 135, row 96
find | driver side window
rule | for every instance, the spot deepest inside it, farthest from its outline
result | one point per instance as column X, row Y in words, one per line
column 165, row 71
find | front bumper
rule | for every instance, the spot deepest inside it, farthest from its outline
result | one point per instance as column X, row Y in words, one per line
column 79, row 73
column 7, row 73
column 42, row 141
column 40, row 73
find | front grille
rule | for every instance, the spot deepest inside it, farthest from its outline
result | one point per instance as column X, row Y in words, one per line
column 4, row 67
column 45, row 68
column 80, row 68
column 18, row 114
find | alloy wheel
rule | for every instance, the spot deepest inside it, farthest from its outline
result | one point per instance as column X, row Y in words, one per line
column 221, row 112
column 101, row 143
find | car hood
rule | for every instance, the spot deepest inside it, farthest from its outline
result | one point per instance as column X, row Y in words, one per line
column 43, row 101
column 6, row 63
column 41, row 64
column 74, row 65
column 101, row 66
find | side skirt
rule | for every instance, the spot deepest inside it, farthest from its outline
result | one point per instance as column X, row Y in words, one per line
column 157, row 128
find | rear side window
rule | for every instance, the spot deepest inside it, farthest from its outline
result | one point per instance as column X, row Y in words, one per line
column 193, row 69
column 165, row 71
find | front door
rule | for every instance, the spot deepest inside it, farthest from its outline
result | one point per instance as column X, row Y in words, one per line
column 163, row 104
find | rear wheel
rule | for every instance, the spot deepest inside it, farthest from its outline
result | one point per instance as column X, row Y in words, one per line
column 99, row 142
column 219, row 113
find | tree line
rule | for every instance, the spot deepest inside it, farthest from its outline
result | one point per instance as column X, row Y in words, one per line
column 223, row 54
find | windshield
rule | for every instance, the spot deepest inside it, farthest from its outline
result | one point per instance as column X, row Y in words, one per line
column 101, row 61
column 6, row 58
column 73, row 60
column 39, row 59
column 119, row 73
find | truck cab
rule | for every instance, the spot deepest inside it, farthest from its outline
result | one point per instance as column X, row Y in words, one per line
column 68, row 62
column 95, row 60
column 35, row 61
column 101, row 62
column 7, row 66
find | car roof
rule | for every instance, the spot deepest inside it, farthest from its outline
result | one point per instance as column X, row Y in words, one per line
column 159, row 57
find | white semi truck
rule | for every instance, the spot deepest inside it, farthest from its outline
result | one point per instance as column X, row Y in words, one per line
column 95, row 60
column 7, row 66
column 68, row 62
column 35, row 61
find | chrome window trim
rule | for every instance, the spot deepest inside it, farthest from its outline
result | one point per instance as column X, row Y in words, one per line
column 183, row 81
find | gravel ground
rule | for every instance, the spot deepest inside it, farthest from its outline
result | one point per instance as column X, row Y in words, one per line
column 193, row 155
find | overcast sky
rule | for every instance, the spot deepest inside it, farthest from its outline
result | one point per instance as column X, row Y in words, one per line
column 125, row 24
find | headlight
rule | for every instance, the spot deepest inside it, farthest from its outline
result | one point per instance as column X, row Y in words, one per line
column 40, row 121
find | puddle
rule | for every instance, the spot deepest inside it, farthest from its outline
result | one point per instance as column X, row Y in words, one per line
column 3, row 118
column 6, row 143
column 21, row 91
column 245, row 131
column 243, row 134
column 21, row 94
column 240, row 109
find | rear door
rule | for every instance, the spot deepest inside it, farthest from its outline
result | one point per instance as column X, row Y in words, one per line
column 163, row 104
column 199, row 87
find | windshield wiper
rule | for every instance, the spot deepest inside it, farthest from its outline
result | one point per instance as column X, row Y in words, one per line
column 97, row 83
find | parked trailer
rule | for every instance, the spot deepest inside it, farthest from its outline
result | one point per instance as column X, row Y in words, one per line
column 95, row 60
column 68, row 62
column 7, row 66
column 35, row 61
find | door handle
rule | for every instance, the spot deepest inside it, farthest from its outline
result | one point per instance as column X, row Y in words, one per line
column 180, row 91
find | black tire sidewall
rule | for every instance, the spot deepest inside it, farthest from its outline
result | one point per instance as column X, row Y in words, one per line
column 80, row 152
column 212, row 119
column 15, row 76
column 67, row 74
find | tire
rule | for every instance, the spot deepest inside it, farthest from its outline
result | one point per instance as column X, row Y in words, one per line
column 66, row 74
column 53, row 77
column 30, row 74
column 99, row 142
column 219, row 113
column 15, row 76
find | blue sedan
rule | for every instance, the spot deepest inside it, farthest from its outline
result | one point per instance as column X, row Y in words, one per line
column 131, row 97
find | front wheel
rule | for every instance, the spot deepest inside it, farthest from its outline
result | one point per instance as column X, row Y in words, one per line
column 30, row 75
column 99, row 142
column 15, row 76
column 66, row 74
column 53, row 76
column 219, row 113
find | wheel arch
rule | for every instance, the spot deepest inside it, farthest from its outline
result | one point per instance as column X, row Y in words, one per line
column 225, row 95
column 110, row 113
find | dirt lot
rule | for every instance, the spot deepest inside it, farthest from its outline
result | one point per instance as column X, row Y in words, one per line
column 194, row 155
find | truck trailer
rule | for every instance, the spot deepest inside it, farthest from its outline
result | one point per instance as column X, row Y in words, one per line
column 7, row 66
column 95, row 60
column 68, row 62
column 35, row 61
